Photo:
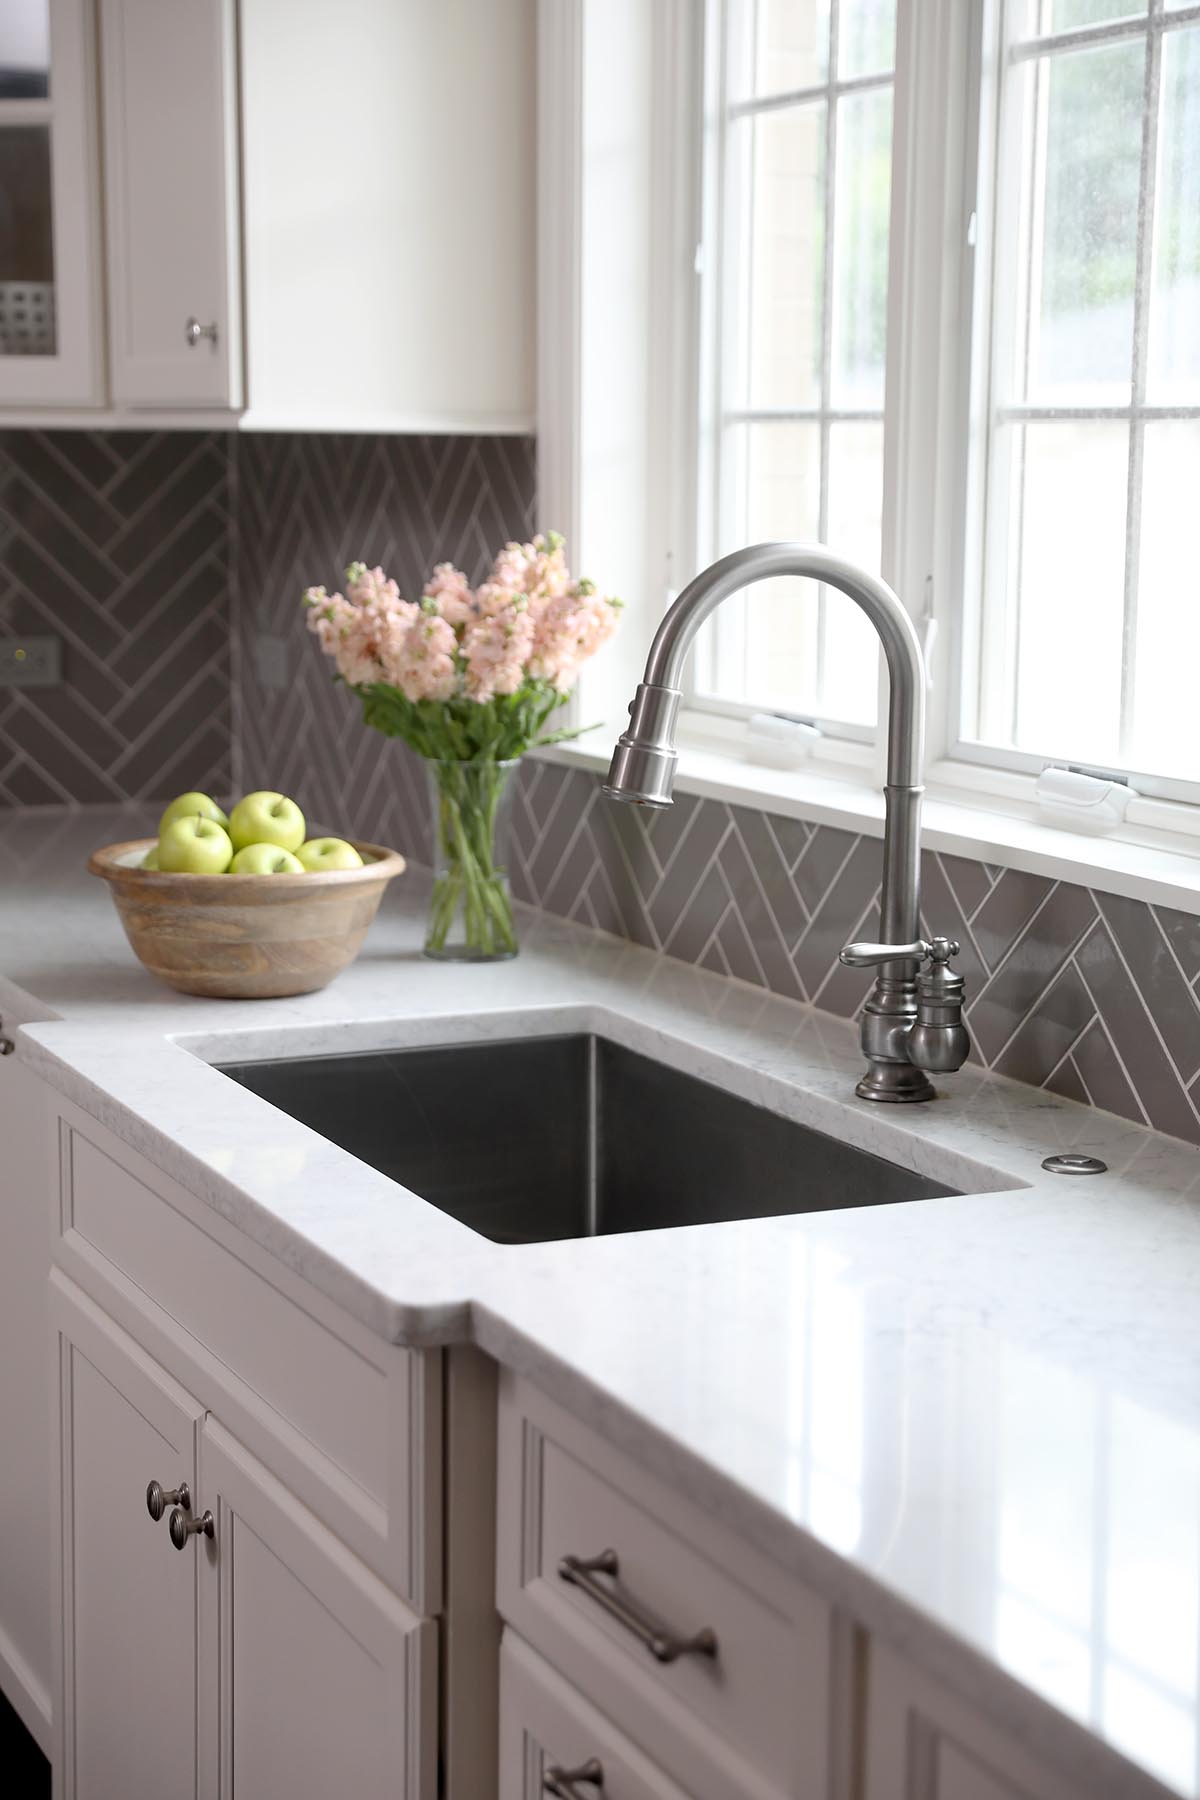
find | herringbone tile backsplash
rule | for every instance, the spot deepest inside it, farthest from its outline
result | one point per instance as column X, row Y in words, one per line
column 172, row 565
column 119, row 544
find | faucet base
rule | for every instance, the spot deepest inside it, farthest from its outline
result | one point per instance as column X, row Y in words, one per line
column 899, row 1083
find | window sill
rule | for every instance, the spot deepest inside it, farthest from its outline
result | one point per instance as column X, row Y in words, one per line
column 1154, row 866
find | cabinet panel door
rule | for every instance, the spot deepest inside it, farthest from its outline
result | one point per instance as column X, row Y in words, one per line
column 168, row 71
column 923, row 1743
column 325, row 1680
column 25, row 1178
column 51, row 312
column 125, row 1701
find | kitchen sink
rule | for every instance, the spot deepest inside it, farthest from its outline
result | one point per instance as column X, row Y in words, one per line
column 566, row 1137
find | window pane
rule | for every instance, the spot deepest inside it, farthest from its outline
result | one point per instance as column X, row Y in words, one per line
column 1173, row 374
column 1038, row 18
column 1164, row 733
column 26, row 242
column 866, row 37
column 860, row 260
column 779, row 466
column 1083, row 121
column 786, row 47
column 850, row 685
column 787, row 257
column 24, row 49
column 1071, row 563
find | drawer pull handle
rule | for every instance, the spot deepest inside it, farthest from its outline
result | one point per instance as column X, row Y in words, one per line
column 664, row 1646
column 564, row 1782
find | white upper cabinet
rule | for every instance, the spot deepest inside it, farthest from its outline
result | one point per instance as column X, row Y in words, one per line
column 389, row 192
column 169, row 79
column 318, row 216
column 51, row 340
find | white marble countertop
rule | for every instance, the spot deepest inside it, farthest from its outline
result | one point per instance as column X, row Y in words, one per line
column 975, row 1422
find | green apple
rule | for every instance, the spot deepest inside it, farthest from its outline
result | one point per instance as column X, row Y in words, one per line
column 328, row 853
column 265, row 859
column 191, row 806
column 265, row 818
column 150, row 860
column 195, row 846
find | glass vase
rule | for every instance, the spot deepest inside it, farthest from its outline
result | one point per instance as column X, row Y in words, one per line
column 470, row 912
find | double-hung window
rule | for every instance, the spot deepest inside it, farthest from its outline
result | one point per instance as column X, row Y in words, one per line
column 1067, row 456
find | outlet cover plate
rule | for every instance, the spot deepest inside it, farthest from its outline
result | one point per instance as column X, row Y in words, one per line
column 30, row 662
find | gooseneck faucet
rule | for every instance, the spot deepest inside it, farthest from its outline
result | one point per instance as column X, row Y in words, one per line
column 912, row 1022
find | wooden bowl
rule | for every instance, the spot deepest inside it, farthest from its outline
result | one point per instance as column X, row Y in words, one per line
column 245, row 937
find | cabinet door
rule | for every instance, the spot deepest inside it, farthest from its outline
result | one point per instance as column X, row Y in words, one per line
column 25, row 1176
column 170, row 146
column 51, row 317
column 125, row 1690
column 325, row 1681
column 923, row 1743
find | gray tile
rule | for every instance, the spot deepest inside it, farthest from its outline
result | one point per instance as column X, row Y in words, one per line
column 738, row 950
column 1006, row 911
column 1158, row 1086
column 1033, row 962
column 774, row 878
column 1067, row 1081
column 833, row 923
column 758, row 920
column 1155, row 972
column 699, row 917
column 827, row 850
column 1049, row 1031
column 942, row 916
column 1105, row 1082
column 792, row 836
column 690, row 865
column 970, row 880
column 1182, row 932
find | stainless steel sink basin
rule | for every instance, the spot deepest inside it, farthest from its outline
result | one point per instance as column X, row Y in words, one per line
column 566, row 1137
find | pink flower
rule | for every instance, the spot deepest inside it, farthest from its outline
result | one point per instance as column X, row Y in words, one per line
column 421, row 661
column 496, row 649
column 571, row 627
column 448, row 587
column 370, row 587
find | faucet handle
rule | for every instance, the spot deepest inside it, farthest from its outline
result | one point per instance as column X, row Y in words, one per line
column 866, row 956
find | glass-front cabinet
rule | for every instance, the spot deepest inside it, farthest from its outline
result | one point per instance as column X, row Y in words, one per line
column 51, row 323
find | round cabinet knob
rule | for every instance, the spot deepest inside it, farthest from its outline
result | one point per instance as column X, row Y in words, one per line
column 193, row 331
column 182, row 1528
column 159, row 1498
column 6, row 1046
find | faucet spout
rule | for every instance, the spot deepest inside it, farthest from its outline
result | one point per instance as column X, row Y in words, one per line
column 644, row 761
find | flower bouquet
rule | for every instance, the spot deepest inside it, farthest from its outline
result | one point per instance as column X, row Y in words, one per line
column 468, row 679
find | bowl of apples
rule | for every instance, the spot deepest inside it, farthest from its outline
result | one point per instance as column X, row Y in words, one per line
column 244, row 906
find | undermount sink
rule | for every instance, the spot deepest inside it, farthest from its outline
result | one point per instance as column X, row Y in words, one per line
column 566, row 1137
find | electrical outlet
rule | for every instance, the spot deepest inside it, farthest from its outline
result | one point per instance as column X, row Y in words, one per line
column 30, row 662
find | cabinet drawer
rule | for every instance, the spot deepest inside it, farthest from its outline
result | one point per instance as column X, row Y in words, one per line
column 752, row 1719
column 546, row 1725
column 348, row 1423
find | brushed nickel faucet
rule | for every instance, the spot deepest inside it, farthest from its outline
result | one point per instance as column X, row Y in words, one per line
column 912, row 1024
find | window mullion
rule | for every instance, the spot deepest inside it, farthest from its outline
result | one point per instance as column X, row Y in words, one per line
column 1141, row 331
column 831, row 125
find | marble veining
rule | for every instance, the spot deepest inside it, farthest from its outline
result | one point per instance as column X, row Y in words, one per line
column 974, row 1422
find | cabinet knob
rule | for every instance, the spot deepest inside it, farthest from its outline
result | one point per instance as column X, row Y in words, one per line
column 6, row 1046
column 182, row 1528
column 565, row 1782
column 193, row 331
column 159, row 1498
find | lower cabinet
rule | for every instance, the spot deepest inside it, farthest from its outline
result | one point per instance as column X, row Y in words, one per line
column 233, row 1643
column 554, row 1742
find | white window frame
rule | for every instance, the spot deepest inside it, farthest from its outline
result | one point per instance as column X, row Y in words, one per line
column 945, row 74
